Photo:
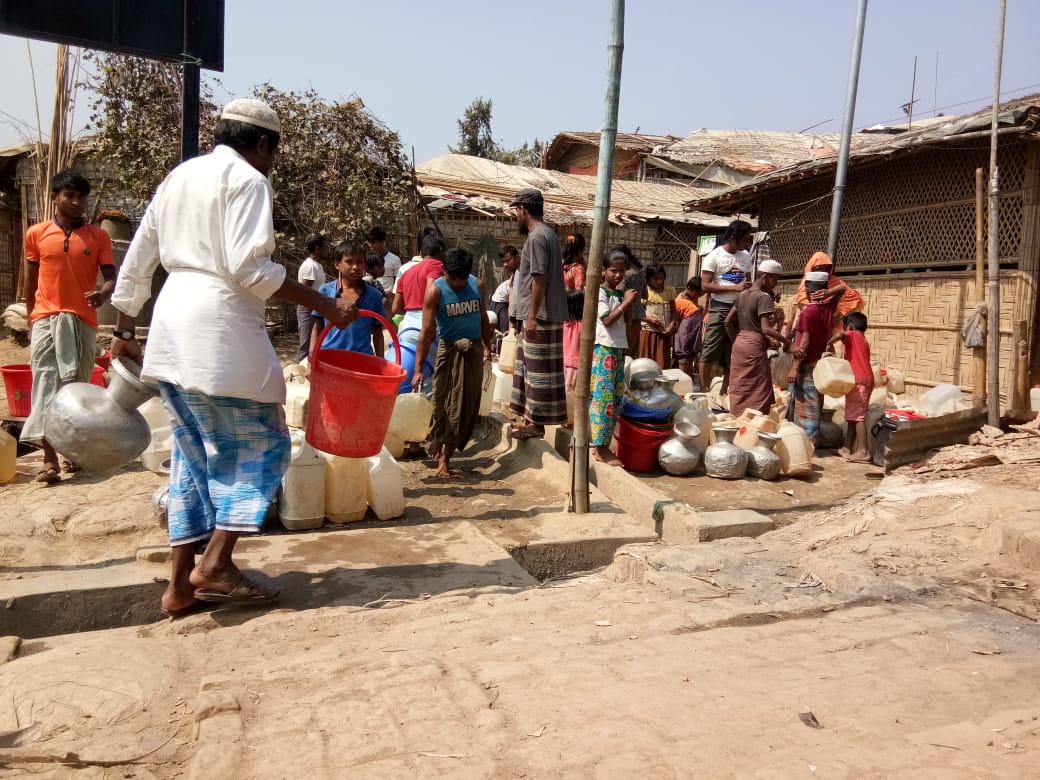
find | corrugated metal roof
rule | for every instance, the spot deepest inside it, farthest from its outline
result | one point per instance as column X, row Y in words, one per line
column 870, row 146
column 473, row 182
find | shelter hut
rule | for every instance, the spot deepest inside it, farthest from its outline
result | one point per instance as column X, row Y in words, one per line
column 468, row 198
column 908, row 240
column 578, row 153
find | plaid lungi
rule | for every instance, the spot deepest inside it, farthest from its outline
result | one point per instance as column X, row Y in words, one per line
column 229, row 457
column 539, row 387
column 805, row 407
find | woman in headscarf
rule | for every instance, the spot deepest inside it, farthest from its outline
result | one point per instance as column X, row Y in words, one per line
column 849, row 299
column 574, row 262
column 750, row 324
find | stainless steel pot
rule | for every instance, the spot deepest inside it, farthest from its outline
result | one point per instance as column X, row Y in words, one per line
column 763, row 462
column 98, row 428
column 680, row 454
column 724, row 459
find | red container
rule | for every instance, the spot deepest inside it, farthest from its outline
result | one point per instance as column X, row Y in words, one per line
column 104, row 360
column 18, row 385
column 97, row 376
column 637, row 443
column 352, row 398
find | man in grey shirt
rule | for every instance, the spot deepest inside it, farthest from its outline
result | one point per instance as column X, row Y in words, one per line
column 540, row 307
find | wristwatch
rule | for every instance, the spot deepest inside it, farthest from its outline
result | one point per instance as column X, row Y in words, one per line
column 123, row 335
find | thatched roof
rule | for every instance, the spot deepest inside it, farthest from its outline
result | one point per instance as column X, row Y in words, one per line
column 626, row 142
column 870, row 146
column 485, row 186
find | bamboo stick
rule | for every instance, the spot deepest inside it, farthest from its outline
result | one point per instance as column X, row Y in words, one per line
column 978, row 358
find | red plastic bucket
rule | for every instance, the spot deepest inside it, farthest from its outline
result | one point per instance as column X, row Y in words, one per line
column 352, row 398
column 18, row 385
column 637, row 444
column 97, row 376
column 104, row 360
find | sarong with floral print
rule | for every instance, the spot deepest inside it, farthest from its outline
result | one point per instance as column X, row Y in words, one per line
column 606, row 388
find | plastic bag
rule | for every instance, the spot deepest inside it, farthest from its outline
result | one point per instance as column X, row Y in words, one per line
column 972, row 335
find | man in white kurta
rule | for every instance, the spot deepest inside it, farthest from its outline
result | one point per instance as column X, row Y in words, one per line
column 210, row 225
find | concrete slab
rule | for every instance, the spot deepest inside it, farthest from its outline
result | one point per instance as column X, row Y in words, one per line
column 337, row 566
column 680, row 524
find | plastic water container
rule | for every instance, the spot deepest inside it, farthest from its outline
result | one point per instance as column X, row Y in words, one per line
column 154, row 413
column 297, row 398
column 302, row 506
column 413, row 413
column 837, row 405
column 1034, row 398
column 503, row 386
column 346, row 488
column 794, row 448
column 385, row 492
column 833, row 376
column 896, row 381
column 879, row 397
column 750, row 423
column 683, row 381
column 507, row 353
column 941, row 399
column 8, row 456
column 695, row 410
column 156, row 456
column 487, row 390
column 393, row 445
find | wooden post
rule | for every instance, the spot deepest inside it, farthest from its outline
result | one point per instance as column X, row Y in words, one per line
column 978, row 359
column 23, row 266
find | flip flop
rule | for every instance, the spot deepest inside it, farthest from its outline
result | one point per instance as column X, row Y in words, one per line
column 48, row 476
column 246, row 592
column 69, row 467
column 526, row 432
column 191, row 609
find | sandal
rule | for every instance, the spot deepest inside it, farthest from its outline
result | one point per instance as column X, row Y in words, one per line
column 48, row 476
column 191, row 609
column 69, row 467
column 527, row 432
column 246, row 592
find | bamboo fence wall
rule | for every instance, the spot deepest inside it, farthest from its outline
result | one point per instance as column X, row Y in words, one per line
column 908, row 245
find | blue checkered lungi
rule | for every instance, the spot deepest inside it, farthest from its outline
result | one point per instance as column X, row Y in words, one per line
column 229, row 457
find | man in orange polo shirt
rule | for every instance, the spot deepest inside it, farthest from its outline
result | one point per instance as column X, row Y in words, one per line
column 65, row 255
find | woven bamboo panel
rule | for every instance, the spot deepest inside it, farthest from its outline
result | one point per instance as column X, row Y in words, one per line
column 909, row 212
column 915, row 322
column 10, row 256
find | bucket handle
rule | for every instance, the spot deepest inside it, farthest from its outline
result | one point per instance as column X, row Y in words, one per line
column 361, row 313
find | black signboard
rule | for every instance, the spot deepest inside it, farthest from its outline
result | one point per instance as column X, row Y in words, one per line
column 143, row 28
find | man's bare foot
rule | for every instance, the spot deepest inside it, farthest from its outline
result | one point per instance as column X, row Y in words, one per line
column 605, row 456
column 859, row 457
column 845, row 452
column 443, row 472
column 434, row 450
column 223, row 579
column 175, row 601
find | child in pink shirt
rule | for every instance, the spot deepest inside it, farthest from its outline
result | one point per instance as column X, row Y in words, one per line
column 572, row 339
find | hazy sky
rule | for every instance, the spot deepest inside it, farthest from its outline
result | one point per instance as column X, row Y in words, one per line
column 771, row 64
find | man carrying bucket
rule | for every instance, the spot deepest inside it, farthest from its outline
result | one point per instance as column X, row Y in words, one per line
column 221, row 383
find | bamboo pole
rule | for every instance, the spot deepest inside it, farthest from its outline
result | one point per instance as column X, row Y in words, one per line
column 1021, row 399
column 978, row 357
column 993, row 259
column 579, row 461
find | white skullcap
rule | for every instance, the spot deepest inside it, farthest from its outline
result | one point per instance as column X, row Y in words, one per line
column 252, row 112
column 770, row 267
column 817, row 276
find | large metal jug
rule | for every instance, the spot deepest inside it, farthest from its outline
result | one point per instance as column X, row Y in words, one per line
column 100, row 428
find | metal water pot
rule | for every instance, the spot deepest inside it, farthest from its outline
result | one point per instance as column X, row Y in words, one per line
column 763, row 462
column 668, row 385
column 100, row 428
column 680, row 453
column 724, row 459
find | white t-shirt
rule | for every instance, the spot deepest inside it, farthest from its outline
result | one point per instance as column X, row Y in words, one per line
column 613, row 335
column 501, row 294
column 391, row 265
column 400, row 271
column 730, row 271
column 311, row 273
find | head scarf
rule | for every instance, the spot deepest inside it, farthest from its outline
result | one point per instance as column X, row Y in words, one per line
column 850, row 301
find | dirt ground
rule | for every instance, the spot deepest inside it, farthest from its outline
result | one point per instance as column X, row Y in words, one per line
column 842, row 646
column 888, row 629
